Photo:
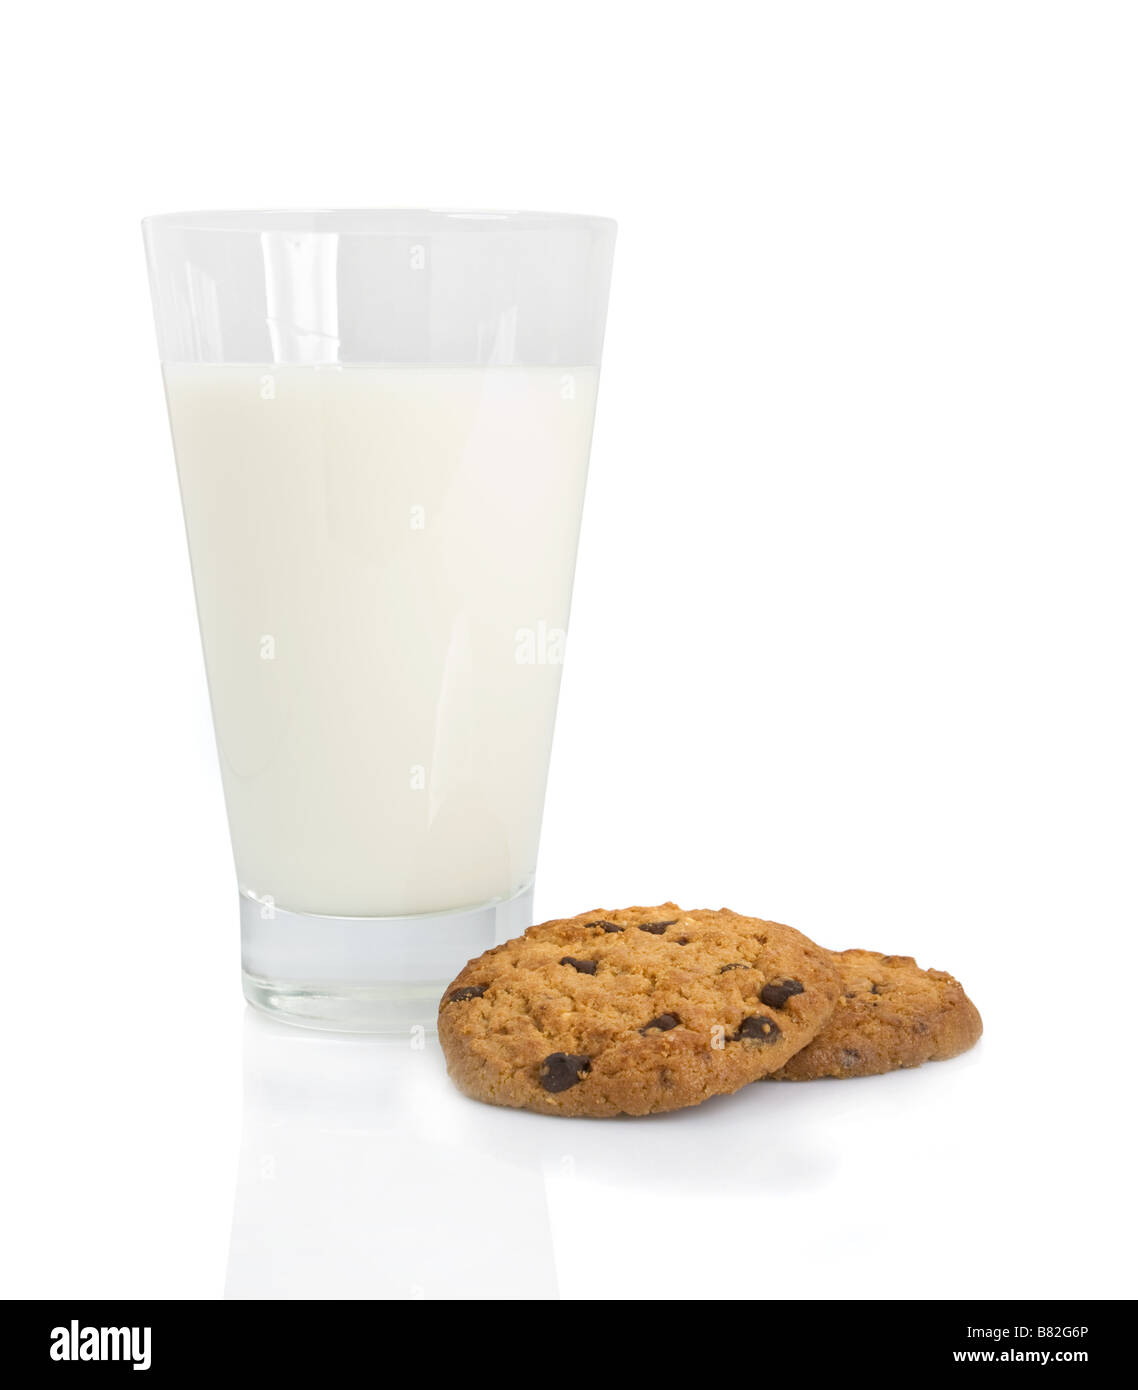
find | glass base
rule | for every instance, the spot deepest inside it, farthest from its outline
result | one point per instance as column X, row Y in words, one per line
column 366, row 974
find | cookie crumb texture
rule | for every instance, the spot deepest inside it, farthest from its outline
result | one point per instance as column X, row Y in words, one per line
column 890, row 1014
column 633, row 1012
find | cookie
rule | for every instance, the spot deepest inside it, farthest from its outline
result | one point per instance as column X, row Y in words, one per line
column 891, row 1014
column 633, row 1012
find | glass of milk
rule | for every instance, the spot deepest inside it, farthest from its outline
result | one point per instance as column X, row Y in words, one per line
column 381, row 422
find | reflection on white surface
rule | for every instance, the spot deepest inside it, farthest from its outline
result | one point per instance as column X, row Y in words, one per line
column 350, row 1187
column 365, row 1174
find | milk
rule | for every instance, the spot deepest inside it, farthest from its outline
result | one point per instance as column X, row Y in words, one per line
column 382, row 559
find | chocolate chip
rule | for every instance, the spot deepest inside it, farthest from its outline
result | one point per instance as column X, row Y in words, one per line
column 583, row 967
column 875, row 989
column 605, row 926
column 663, row 1022
column 658, row 928
column 850, row 1055
column 468, row 992
column 776, row 995
column 560, row 1070
column 758, row 1028
column 735, row 965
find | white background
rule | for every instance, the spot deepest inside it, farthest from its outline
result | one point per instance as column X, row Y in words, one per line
column 852, row 645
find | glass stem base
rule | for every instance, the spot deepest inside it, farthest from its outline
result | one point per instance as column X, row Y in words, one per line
column 366, row 974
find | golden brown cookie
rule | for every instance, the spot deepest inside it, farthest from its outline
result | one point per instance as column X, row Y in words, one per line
column 633, row 1012
column 891, row 1014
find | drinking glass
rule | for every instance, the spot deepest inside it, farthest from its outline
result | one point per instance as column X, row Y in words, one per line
column 381, row 422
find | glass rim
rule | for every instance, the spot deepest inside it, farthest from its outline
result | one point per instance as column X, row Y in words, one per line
column 341, row 219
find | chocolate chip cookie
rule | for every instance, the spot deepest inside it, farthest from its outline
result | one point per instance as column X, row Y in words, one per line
column 633, row 1012
column 891, row 1014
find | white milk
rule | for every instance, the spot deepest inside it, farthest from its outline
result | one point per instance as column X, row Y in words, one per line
column 383, row 559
